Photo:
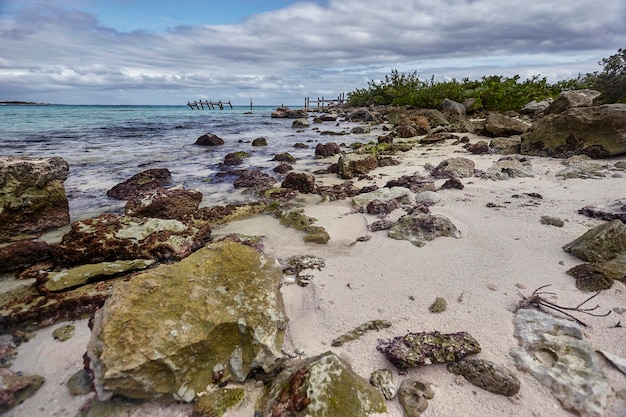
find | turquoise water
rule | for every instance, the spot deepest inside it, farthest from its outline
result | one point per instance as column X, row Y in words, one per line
column 105, row 145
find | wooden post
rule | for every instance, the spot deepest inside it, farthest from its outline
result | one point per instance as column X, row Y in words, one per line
column 251, row 104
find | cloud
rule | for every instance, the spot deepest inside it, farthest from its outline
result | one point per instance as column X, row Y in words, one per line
column 53, row 54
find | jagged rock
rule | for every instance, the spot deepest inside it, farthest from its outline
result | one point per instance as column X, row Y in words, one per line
column 362, row 115
column 142, row 182
column 209, row 139
column 421, row 228
column 383, row 380
column 452, row 183
column 32, row 196
column 23, row 254
column 498, row 124
column 379, row 225
column 215, row 403
column 572, row 98
column 359, row 331
column 259, row 142
column 427, row 348
column 351, row 165
column 452, row 107
column 599, row 132
column 415, row 183
column 509, row 167
column 534, row 107
column 321, row 386
column 338, row 191
column 393, row 194
column 223, row 214
column 414, row 396
column 479, row 148
column 164, row 204
column 218, row 308
column 110, row 237
column 301, row 181
column 324, row 150
column 611, row 210
column 506, row 146
column 254, row 179
column 556, row 354
column 458, row 167
column 15, row 388
column 600, row 243
column 487, row 375
column 301, row 122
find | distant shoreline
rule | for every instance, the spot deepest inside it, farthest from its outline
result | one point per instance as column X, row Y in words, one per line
column 22, row 103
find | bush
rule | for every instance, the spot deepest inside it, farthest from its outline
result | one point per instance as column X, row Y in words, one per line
column 611, row 82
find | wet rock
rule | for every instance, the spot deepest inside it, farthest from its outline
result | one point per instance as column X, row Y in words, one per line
column 23, row 254
column 438, row 306
column 571, row 99
column 220, row 307
column 324, row 150
column 235, row 158
column 487, row 375
column 111, row 237
column 414, row 396
column 79, row 383
column 321, row 386
column 164, row 204
column 301, row 122
column 142, row 182
column 458, row 167
column 215, row 403
column 421, row 228
column 383, row 380
column 600, row 243
column 361, row 130
column 338, row 191
column 284, row 157
column 398, row 195
column 498, row 124
column 283, row 168
column 556, row 354
column 438, row 137
column 506, row 146
column 351, row 165
column 209, row 139
column 216, row 215
column 254, row 179
column 479, row 148
column 15, row 388
column 611, row 210
column 359, row 331
column 301, row 181
column 123, row 407
column 64, row 333
column 552, row 221
column 427, row 348
column 416, row 183
column 259, row 142
column 286, row 112
column 32, row 196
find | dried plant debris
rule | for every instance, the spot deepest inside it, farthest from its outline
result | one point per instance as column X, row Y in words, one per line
column 427, row 348
column 537, row 301
column 296, row 264
column 359, row 331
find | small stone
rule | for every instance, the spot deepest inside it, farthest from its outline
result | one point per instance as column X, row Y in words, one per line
column 383, row 380
column 64, row 333
column 487, row 375
column 414, row 396
column 439, row 306
column 552, row 221
column 79, row 383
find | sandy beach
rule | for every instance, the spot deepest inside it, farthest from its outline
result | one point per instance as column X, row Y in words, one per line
column 503, row 249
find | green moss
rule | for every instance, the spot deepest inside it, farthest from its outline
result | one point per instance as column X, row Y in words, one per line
column 64, row 333
column 298, row 220
column 215, row 403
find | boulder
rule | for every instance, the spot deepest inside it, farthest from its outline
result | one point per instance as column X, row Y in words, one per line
column 352, row 165
column 32, row 196
column 259, row 142
column 509, row 167
column 479, row 148
column 321, row 386
column 397, row 194
column 361, row 115
column 571, row 99
column 287, row 113
column 282, row 168
column 324, row 150
column 235, row 158
column 435, row 117
column 299, row 123
column 301, row 181
column 427, row 198
column 214, row 316
column 111, row 237
column 284, row 157
column 143, row 182
column 458, row 167
column 361, row 130
column 599, row 132
column 535, row 108
column 164, row 204
column 498, row 124
column 601, row 243
column 452, row 107
column 421, row 228
column 23, row 254
column 255, row 179
column 209, row 139
column 580, row 166
column 506, row 146
column 329, row 117
column 611, row 210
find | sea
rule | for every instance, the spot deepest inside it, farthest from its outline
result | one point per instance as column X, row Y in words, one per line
column 105, row 145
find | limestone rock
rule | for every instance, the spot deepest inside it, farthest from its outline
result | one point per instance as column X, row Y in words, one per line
column 235, row 158
column 398, row 194
column 534, row 107
column 23, row 254
column 415, row 183
column 427, row 198
column 556, row 354
column 230, row 212
column 599, row 132
column 209, row 139
column 215, row 403
column 572, row 98
column 580, row 166
column 479, row 148
column 142, row 182
column 383, row 380
column 590, row 278
column 284, row 157
column 219, row 308
column 611, row 210
column 509, row 167
column 427, row 348
column 164, row 204
column 506, row 146
column 498, row 124
column 15, row 388
column 32, row 196
column 352, row 165
column 487, row 375
column 301, row 122
column 420, row 228
column 600, row 243
column 414, row 396
column 458, row 167
column 301, row 181
column 452, row 107
column 361, row 130
column 324, row 150
column 322, row 386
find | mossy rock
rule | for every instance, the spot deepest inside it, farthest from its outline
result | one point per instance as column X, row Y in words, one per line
column 215, row 403
column 601, row 243
column 298, row 220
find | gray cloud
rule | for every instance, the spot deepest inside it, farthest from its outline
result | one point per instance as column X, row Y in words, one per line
column 54, row 54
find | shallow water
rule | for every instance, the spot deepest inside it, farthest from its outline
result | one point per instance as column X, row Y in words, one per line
column 105, row 145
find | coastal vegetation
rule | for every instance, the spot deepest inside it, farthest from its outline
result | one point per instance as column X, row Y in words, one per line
column 493, row 92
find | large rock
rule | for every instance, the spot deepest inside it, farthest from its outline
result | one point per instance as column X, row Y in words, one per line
column 23, row 254
column 110, row 237
column 209, row 139
column 397, row 194
column 498, row 124
column 602, row 243
column 611, row 210
column 573, row 98
column 452, row 107
column 143, row 182
column 458, row 167
column 301, row 181
column 287, row 113
column 167, row 332
column 352, row 165
column 421, row 228
column 555, row 352
column 598, row 132
column 323, row 150
column 164, row 204
column 509, row 167
column 32, row 196
column 322, row 386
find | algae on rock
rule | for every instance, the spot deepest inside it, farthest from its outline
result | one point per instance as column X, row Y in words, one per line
column 299, row 221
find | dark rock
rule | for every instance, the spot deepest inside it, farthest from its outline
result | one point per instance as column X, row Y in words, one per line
column 235, row 158
column 414, row 396
column 300, row 123
column 383, row 380
column 498, row 124
column 458, row 167
column 328, row 117
column 284, row 157
column 415, row 183
column 259, row 142
column 611, row 210
column 600, row 243
column 438, row 137
column 590, row 277
column 421, row 228
column 338, row 191
column 223, row 214
column 209, row 139
column 164, row 204
column 380, row 225
column 23, row 254
column 452, row 183
column 552, row 221
column 382, row 208
column 506, row 146
column 324, row 150
column 572, row 98
column 352, row 165
column 80, row 383
column 286, row 112
column 361, row 130
column 32, row 196
column 487, row 375
column 385, row 139
column 303, row 182
column 255, row 179
column 283, row 168
column 478, row 148
column 300, row 145
column 142, row 182
column 361, row 115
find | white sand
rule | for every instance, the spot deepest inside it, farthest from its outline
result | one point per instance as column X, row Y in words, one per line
column 501, row 251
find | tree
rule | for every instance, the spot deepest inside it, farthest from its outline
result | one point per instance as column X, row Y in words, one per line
column 611, row 82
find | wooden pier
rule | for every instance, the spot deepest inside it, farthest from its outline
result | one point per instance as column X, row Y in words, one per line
column 323, row 102
column 210, row 105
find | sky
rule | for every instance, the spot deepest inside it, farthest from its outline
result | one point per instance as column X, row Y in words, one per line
column 280, row 51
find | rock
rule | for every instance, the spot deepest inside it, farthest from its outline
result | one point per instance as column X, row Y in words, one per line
column 479, row 148
column 110, row 237
column 284, row 157
column 611, row 210
column 416, row 183
column 142, row 182
column 552, row 221
column 471, row 105
column 420, row 228
column 64, row 333
column 381, row 208
column 359, row 331
column 299, row 123
column 338, row 191
column 300, row 145
column 393, row 194
column 298, row 220
column 535, row 108
column 321, row 386
column 259, row 142
column 79, row 383
column 361, row 115
column 571, row 99
column 209, row 139
column 580, row 166
column 231, row 212
column 414, row 396
column 498, row 124
column 215, row 403
column 509, row 167
column 255, row 179
column 600, row 243
column 599, row 132
column 435, row 117
column 556, row 354
column 614, row 268
column 15, row 388
column 235, row 158
column 361, row 130
column 487, row 375
column 452, row 183
column 452, row 107
column 352, row 165
column 438, row 306
column 428, row 198
column 458, row 167
column 301, row 181
column 329, row 117
column 219, row 308
column 383, row 380
column 23, row 254
column 282, row 168
column 590, row 278
column 324, row 150
column 286, row 112
column 427, row 348
column 32, row 196
column 163, row 203
column 379, row 225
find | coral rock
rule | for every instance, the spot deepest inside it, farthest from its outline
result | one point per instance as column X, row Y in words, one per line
column 487, row 375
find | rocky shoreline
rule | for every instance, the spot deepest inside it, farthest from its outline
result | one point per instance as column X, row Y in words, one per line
column 182, row 309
